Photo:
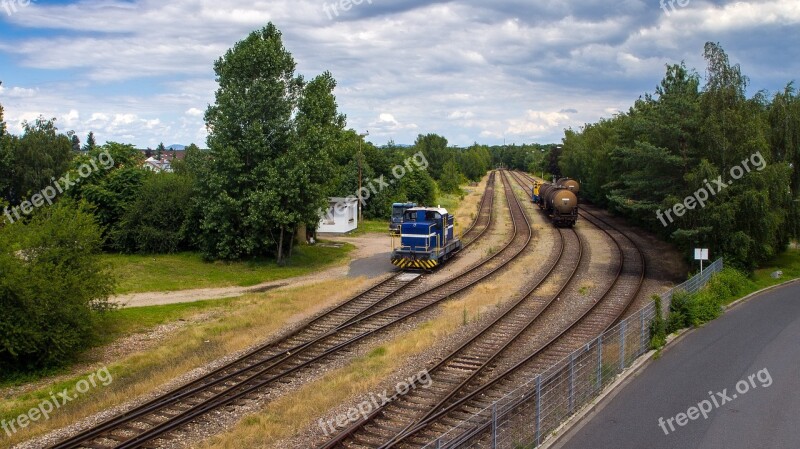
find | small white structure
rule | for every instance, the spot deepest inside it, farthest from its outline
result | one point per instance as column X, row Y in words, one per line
column 341, row 216
column 157, row 166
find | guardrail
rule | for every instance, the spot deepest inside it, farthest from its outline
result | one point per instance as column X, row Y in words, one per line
column 526, row 416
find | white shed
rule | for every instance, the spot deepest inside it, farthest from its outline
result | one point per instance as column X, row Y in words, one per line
column 341, row 216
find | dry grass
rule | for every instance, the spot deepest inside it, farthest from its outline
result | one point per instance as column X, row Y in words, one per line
column 300, row 410
column 467, row 210
column 248, row 321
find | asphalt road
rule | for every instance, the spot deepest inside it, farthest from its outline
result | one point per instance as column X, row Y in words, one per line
column 373, row 266
column 760, row 338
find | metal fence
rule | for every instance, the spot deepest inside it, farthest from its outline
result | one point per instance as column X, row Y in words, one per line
column 527, row 415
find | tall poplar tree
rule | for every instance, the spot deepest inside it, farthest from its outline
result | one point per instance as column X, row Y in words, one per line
column 268, row 140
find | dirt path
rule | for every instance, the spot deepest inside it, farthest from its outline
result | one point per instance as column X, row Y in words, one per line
column 367, row 246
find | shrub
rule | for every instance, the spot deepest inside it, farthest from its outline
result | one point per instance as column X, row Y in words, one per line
column 155, row 222
column 51, row 289
column 701, row 307
column 658, row 327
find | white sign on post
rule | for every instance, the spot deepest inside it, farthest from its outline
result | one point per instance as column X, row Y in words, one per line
column 701, row 254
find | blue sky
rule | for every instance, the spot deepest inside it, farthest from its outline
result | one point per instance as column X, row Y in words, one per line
column 140, row 71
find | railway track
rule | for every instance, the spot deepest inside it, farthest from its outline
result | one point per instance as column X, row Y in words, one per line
column 464, row 364
column 258, row 371
column 480, row 225
column 477, row 397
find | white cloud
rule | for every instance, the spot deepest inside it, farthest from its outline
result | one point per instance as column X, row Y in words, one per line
column 17, row 92
column 466, row 69
column 537, row 123
column 455, row 115
column 71, row 118
column 194, row 112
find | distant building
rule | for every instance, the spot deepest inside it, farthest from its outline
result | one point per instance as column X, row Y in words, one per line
column 167, row 154
column 157, row 166
column 341, row 216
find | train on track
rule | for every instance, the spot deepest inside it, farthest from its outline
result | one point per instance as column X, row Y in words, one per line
column 398, row 209
column 427, row 239
column 559, row 200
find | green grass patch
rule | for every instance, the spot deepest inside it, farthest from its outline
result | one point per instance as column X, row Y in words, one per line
column 370, row 226
column 450, row 201
column 726, row 287
column 119, row 323
column 183, row 271
column 123, row 322
column 788, row 262
column 11, row 408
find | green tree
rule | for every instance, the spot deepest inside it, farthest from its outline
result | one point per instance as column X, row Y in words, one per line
column 76, row 142
column 160, row 150
column 156, row 220
column 111, row 188
column 52, row 288
column 451, row 177
column 784, row 137
column 418, row 186
column 7, row 143
column 683, row 138
column 268, row 144
column 40, row 155
column 91, row 143
column 435, row 149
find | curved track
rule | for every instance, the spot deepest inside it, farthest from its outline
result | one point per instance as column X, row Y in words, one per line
column 274, row 364
column 478, row 397
column 480, row 225
column 464, row 364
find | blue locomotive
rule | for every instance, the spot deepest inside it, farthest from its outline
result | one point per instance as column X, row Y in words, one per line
column 398, row 210
column 426, row 239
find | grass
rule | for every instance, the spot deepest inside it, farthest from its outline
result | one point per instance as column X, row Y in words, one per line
column 369, row 227
column 788, row 262
column 293, row 413
column 450, row 201
column 228, row 327
column 123, row 322
column 119, row 323
column 155, row 273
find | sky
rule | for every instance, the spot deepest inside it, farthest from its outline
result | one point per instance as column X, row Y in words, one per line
column 514, row 71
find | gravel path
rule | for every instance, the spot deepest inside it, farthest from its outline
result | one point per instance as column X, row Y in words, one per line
column 367, row 247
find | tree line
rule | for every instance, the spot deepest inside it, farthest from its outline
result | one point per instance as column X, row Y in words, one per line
column 277, row 149
column 682, row 143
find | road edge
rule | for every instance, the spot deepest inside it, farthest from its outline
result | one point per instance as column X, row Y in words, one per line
column 568, row 428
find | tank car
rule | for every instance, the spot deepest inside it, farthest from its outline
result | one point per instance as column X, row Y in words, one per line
column 570, row 184
column 426, row 239
column 560, row 203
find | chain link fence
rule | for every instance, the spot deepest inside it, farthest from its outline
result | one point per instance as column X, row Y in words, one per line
column 525, row 417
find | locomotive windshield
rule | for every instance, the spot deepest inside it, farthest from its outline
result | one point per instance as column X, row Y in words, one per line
column 397, row 213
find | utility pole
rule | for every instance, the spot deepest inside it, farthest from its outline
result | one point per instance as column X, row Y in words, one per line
column 360, row 156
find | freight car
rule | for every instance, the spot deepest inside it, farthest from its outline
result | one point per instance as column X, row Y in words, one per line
column 426, row 239
column 558, row 201
column 570, row 184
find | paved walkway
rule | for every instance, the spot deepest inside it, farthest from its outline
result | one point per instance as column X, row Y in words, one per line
column 742, row 371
